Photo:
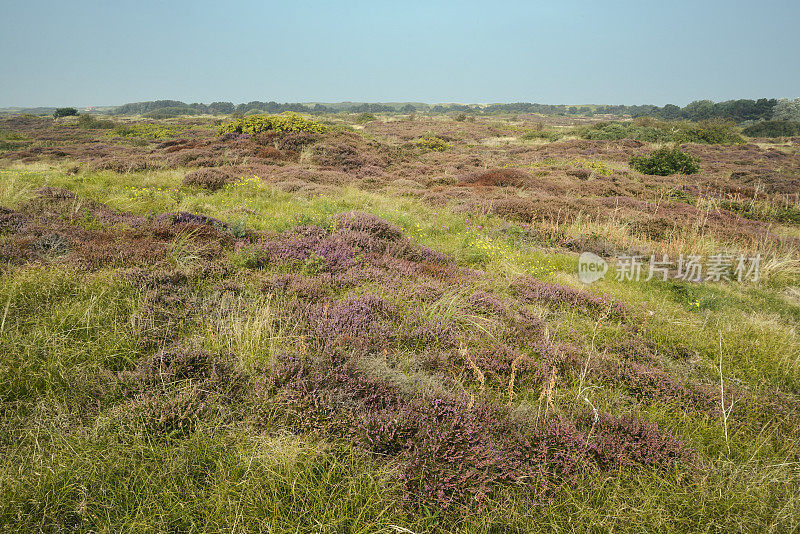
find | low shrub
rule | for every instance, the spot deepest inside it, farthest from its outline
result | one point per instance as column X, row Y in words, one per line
column 613, row 131
column 665, row 161
column 710, row 132
column 207, row 178
column 64, row 112
column 431, row 142
column 773, row 129
column 289, row 122
column 365, row 118
column 145, row 131
column 90, row 122
column 496, row 177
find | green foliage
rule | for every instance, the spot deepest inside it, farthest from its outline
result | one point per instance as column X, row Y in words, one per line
column 710, row 132
column 365, row 118
column 289, row 122
column 786, row 110
column 549, row 135
column 666, row 161
column 145, row 131
column 780, row 128
column 90, row 122
column 433, row 143
column 64, row 112
column 626, row 130
column 169, row 112
column 762, row 211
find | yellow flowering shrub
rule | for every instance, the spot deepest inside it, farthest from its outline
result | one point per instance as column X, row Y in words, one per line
column 431, row 142
column 288, row 122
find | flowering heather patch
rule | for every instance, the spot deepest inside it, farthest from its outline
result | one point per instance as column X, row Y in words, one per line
column 179, row 364
column 208, row 178
column 427, row 331
column 453, row 452
column 303, row 287
column 12, row 221
column 160, row 414
column 309, row 246
column 484, row 302
column 450, row 454
column 357, row 321
column 182, row 217
column 533, row 290
column 646, row 382
column 339, row 156
column 371, row 224
column 497, row 178
column 454, row 455
column 406, row 249
column 627, row 441
column 499, row 362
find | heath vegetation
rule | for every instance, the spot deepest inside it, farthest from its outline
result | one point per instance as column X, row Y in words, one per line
column 361, row 320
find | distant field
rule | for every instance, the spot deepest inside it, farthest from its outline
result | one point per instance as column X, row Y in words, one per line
column 373, row 322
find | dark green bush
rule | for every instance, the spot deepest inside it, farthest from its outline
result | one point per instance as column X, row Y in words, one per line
column 64, row 112
column 666, row 161
column 773, row 129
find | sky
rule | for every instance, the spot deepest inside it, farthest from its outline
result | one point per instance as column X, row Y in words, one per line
column 83, row 53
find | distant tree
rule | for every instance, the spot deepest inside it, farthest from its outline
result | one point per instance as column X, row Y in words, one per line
column 221, row 108
column 699, row 110
column 671, row 112
column 171, row 112
column 64, row 112
column 773, row 129
column 786, row 110
column 408, row 108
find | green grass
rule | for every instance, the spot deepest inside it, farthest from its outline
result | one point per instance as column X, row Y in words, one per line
column 64, row 336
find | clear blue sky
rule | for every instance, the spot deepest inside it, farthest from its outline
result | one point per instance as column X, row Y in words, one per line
column 556, row 52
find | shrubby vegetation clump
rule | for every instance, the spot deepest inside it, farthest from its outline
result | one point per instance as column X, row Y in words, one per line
column 419, row 312
column 145, row 131
column 613, row 131
column 365, row 118
column 433, row 143
column 253, row 124
column 90, row 122
column 786, row 110
column 711, row 132
column 169, row 112
column 64, row 112
column 776, row 128
column 666, row 161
